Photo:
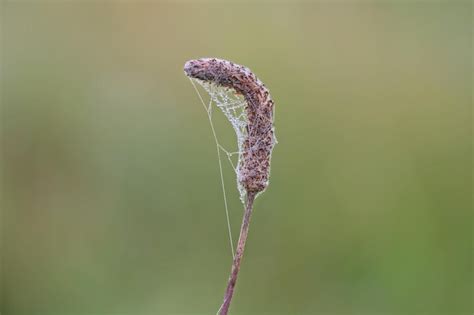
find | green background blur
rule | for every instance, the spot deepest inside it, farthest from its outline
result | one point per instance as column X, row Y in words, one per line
column 111, row 201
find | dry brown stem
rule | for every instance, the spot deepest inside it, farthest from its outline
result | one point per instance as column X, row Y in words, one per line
column 254, row 168
column 244, row 230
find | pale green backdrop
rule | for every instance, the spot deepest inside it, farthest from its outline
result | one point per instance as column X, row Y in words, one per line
column 111, row 201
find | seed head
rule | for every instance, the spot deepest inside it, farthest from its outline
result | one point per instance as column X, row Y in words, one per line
column 254, row 168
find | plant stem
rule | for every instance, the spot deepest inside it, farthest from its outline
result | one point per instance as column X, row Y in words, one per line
column 244, row 229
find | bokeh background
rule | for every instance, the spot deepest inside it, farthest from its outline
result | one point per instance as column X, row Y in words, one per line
column 111, row 201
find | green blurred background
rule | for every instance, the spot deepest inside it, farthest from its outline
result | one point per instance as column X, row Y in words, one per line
column 111, row 201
